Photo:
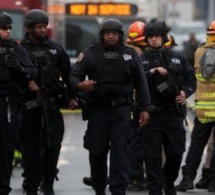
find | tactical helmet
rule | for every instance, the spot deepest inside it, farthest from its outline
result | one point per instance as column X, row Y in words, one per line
column 111, row 24
column 135, row 32
column 211, row 28
column 5, row 19
column 36, row 16
column 156, row 27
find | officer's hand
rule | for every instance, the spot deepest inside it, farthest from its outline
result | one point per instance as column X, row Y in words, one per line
column 181, row 99
column 13, row 64
column 160, row 70
column 73, row 104
column 86, row 85
column 144, row 118
column 33, row 86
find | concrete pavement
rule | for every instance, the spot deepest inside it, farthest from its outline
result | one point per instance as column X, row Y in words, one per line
column 74, row 165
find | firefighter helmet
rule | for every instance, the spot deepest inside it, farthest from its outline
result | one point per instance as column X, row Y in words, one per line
column 5, row 19
column 36, row 16
column 171, row 41
column 211, row 28
column 135, row 32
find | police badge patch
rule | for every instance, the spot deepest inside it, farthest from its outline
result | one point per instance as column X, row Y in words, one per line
column 80, row 57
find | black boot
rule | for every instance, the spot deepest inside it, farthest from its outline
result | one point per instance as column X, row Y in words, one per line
column 211, row 185
column 87, row 181
column 30, row 192
column 100, row 193
column 47, row 186
column 169, row 189
column 185, row 184
column 137, row 185
column 204, row 181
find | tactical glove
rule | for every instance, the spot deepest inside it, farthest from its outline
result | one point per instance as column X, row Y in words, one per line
column 12, row 63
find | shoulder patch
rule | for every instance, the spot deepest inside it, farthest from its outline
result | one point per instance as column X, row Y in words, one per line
column 80, row 57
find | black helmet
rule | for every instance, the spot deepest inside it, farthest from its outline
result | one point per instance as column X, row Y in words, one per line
column 111, row 24
column 36, row 16
column 5, row 19
column 156, row 27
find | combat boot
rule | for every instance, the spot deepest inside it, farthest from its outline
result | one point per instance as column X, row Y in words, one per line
column 100, row 193
column 30, row 192
column 47, row 186
column 185, row 184
column 211, row 185
column 204, row 181
column 169, row 189
column 137, row 185
column 87, row 181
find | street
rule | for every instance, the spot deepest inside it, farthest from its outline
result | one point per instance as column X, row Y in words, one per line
column 74, row 165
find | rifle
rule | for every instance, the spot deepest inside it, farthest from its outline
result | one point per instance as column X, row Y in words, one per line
column 180, row 108
column 43, row 100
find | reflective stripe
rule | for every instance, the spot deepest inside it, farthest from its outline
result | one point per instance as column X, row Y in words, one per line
column 200, row 78
column 205, row 105
column 206, row 120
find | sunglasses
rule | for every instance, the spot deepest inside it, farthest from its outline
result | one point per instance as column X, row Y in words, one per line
column 6, row 27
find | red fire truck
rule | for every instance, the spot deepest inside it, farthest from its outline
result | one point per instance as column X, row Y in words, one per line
column 17, row 10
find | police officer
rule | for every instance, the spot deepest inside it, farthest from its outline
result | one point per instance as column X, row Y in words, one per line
column 113, row 70
column 204, row 121
column 44, row 127
column 16, row 73
column 171, row 80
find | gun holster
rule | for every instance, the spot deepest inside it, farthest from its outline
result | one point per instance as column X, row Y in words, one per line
column 86, row 109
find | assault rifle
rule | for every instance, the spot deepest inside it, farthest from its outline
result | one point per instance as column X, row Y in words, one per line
column 171, row 75
column 46, row 126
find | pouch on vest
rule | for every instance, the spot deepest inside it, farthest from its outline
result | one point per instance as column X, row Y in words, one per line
column 207, row 62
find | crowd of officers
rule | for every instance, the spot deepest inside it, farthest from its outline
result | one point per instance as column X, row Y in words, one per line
column 144, row 77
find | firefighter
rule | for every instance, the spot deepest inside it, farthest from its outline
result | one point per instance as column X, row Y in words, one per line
column 171, row 80
column 113, row 70
column 43, row 124
column 136, row 40
column 205, row 119
column 16, row 74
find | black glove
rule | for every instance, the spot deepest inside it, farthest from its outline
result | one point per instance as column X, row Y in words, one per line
column 12, row 63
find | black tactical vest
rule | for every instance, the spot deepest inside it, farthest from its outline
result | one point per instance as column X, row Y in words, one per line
column 5, row 74
column 164, row 87
column 49, row 71
column 111, row 72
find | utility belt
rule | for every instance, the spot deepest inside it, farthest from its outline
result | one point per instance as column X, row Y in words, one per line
column 87, row 105
column 110, row 103
column 157, row 109
column 39, row 103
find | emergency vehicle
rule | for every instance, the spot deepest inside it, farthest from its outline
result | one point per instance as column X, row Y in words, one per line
column 76, row 24
column 17, row 9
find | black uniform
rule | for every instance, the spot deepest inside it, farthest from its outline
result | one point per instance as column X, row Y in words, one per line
column 165, row 127
column 44, row 127
column 13, row 82
column 116, row 71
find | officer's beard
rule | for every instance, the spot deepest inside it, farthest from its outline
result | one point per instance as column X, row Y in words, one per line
column 111, row 47
column 38, row 39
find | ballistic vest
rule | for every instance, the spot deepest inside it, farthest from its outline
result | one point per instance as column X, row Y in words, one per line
column 113, row 69
column 49, row 71
column 205, row 92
